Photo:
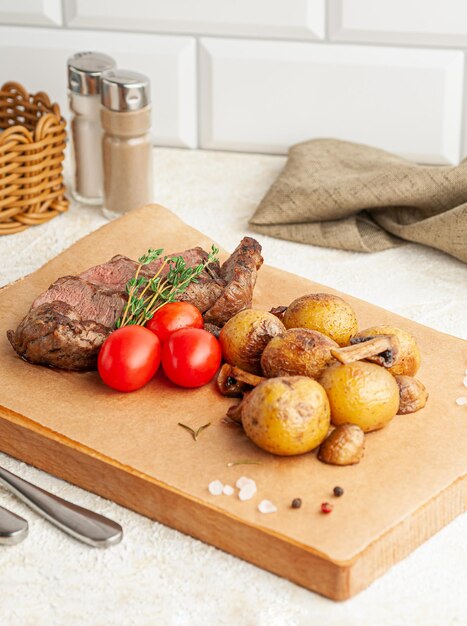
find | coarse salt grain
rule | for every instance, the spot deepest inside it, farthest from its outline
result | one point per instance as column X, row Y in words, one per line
column 461, row 401
column 266, row 506
column 465, row 381
column 228, row 490
column 215, row 488
column 242, row 481
column 247, row 491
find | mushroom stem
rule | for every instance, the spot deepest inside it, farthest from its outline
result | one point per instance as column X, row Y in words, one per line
column 233, row 381
column 246, row 377
column 383, row 350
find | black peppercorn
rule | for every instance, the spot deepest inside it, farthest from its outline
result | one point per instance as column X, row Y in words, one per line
column 296, row 503
column 338, row 492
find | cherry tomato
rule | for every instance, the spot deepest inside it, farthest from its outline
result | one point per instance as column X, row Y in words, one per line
column 129, row 358
column 174, row 316
column 191, row 357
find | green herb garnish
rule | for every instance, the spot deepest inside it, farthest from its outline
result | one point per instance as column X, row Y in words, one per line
column 195, row 432
column 148, row 295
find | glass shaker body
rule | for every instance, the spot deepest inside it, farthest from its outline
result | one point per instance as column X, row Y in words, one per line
column 127, row 156
column 85, row 70
column 86, row 148
column 126, row 142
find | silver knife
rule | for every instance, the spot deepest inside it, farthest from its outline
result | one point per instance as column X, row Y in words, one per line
column 80, row 523
column 13, row 528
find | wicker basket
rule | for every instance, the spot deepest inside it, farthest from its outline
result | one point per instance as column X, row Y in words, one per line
column 32, row 145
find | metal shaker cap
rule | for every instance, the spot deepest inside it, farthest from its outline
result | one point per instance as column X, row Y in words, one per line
column 124, row 90
column 85, row 70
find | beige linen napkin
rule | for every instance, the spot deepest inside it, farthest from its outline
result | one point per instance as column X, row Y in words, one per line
column 345, row 195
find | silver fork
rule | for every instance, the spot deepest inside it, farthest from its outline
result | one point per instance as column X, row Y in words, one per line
column 13, row 528
column 87, row 526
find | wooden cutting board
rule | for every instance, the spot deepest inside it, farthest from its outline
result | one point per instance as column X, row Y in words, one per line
column 128, row 447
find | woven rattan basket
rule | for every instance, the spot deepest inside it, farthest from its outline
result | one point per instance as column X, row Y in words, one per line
column 32, row 145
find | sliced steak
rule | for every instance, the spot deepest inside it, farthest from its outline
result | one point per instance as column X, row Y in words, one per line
column 68, row 323
column 115, row 273
column 99, row 304
column 239, row 273
column 54, row 334
column 118, row 271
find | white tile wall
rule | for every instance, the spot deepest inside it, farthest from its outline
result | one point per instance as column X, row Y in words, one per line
column 303, row 19
column 261, row 96
column 260, row 75
column 426, row 22
column 35, row 12
column 37, row 59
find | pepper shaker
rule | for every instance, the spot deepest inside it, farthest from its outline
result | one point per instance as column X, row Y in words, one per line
column 84, row 74
column 127, row 150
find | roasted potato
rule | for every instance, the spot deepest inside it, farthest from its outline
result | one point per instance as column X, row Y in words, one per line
column 361, row 393
column 286, row 415
column 325, row 313
column 298, row 352
column 245, row 336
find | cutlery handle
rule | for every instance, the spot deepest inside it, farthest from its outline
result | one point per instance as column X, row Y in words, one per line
column 13, row 528
column 85, row 525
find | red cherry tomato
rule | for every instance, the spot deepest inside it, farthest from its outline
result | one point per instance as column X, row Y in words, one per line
column 191, row 357
column 129, row 358
column 174, row 316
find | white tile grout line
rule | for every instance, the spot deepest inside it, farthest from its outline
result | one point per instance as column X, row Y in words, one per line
column 278, row 39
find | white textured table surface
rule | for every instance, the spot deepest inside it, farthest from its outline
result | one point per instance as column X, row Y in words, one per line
column 159, row 576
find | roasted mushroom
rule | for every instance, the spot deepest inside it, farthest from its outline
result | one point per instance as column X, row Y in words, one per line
column 412, row 393
column 361, row 393
column 287, row 415
column 408, row 362
column 344, row 446
column 383, row 350
column 233, row 381
column 245, row 336
column 325, row 313
column 235, row 411
column 298, row 352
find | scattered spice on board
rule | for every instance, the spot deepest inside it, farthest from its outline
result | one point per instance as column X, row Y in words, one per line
column 215, row 488
column 266, row 506
column 326, row 507
column 195, row 432
column 296, row 503
column 338, row 492
column 247, row 487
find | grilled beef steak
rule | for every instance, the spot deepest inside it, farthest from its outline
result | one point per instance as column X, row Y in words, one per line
column 68, row 323
column 54, row 334
column 239, row 273
column 91, row 302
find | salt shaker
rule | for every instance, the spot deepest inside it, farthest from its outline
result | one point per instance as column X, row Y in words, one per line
column 84, row 74
column 127, row 152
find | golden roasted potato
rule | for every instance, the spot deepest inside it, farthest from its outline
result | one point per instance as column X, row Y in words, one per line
column 245, row 335
column 325, row 313
column 298, row 352
column 361, row 393
column 286, row 415
column 408, row 362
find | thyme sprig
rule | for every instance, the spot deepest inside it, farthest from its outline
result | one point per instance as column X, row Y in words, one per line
column 243, row 462
column 195, row 432
column 146, row 295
